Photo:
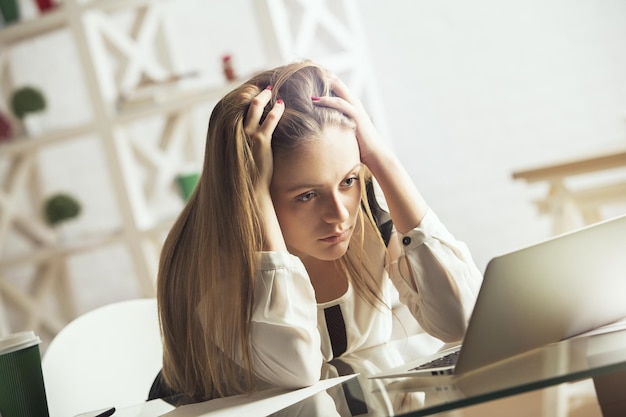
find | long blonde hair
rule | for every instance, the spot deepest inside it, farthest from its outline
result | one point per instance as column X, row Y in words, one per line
column 208, row 258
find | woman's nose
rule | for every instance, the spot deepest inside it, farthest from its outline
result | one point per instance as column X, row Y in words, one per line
column 335, row 210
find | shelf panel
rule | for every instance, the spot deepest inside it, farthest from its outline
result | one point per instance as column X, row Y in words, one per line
column 172, row 104
column 28, row 144
column 58, row 19
column 577, row 167
column 23, row 30
column 23, row 144
column 113, row 5
column 82, row 245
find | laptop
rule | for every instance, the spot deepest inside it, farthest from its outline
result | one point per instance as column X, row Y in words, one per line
column 544, row 293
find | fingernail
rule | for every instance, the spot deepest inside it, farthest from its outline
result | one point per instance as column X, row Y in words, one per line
column 279, row 101
column 269, row 87
column 315, row 98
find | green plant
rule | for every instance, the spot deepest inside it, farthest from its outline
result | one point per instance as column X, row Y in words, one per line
column 61, row 207
column 27, row 100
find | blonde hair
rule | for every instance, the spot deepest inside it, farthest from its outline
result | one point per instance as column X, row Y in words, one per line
column 208, row 258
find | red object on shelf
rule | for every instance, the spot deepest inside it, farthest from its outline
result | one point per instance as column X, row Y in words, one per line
column 6, row 130
column 229, row 71
column 45, row 5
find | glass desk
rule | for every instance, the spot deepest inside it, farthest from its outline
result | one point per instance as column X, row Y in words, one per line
column 600, row 356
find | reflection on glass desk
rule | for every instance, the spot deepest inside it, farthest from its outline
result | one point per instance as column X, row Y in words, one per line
column 600, row 356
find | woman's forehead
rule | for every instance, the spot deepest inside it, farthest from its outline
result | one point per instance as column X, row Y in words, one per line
column 334, row 154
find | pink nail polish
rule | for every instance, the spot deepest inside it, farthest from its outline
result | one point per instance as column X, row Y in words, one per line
column 269, row 87
column 315, row 98
column 279, row 101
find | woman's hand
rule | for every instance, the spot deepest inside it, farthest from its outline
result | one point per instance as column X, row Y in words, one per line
column 261, row 135
column 406, row 204
column 371, row 144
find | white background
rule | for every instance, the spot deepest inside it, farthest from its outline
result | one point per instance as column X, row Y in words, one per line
column 472, row 91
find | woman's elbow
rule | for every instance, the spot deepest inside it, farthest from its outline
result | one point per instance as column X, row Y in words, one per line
column 305, row 370
column 453, row 334
column 298, row 375
column 291, row 364
column 310, row 376
column 453, row 330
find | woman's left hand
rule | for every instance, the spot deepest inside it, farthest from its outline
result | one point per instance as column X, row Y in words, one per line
column 406, row 205
column 370, row 142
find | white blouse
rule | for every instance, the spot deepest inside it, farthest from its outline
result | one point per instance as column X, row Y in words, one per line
column 431, row 274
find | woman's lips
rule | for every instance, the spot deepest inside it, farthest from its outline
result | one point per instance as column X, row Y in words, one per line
column 336, row 237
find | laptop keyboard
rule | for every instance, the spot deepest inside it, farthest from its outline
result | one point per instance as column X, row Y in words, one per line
column 446, row 360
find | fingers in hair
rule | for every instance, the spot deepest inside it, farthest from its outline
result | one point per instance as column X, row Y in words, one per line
column 341, row 89
column 272, row 118
column 337, row 103
column 255, row 111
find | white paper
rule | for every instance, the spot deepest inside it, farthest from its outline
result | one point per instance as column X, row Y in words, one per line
column 261, row 403
column 611, row 327
column 147, row 409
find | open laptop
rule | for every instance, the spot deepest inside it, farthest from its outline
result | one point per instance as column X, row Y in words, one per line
column 544, row 293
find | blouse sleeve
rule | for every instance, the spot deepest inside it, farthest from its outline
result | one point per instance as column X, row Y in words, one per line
column 436, row 278
column 284, row 335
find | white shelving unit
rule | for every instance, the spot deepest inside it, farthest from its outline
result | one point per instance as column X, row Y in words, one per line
column 139, row 169
column 139, row 237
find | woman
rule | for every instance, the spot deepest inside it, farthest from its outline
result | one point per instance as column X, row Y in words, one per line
column 276, row 263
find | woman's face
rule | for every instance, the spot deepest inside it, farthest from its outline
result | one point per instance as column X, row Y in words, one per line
column 316, row 194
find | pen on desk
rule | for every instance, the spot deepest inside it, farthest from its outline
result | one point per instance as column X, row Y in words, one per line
column 107, row 413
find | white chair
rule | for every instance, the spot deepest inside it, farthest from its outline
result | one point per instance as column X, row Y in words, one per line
column 105, row 358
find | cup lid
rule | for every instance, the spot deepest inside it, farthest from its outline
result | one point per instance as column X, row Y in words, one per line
column 18, row 341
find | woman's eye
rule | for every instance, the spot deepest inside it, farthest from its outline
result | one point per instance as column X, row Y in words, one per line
column 350, row 181
column 306, row 196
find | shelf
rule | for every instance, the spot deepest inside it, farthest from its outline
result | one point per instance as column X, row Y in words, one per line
column 25, row 144
column 113, row 5
column 23, row 30
column 581, row 166
column 58, row 19
column 138, row 111
column 165, row 99
column 61, row 249
column 82, row 245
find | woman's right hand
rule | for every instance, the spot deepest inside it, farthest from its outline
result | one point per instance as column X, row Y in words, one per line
column 261, row 135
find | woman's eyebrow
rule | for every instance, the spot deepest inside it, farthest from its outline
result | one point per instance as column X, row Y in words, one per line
column 298, row 187
column 357, row 166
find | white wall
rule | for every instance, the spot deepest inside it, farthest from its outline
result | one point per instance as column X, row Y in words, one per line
column 472, row 91
column 477, row 89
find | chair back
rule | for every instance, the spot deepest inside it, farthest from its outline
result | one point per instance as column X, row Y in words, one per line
column 108, row 357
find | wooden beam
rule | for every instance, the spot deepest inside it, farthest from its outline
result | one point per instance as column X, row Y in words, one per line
column 577, row 167
column 592, row 197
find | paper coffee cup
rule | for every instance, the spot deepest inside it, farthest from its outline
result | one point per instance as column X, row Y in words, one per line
column 22, row 391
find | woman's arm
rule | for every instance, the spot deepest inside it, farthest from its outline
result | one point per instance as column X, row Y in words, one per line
column 406, row 204
column 434, row 273
column 435, row 277
column 284, row 336
column 261, row 136
column 285, row 342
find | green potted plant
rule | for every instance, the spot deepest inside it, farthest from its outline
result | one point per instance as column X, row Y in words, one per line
column 28, row 104
column 59, row 209
column 10, row 10
column 186, row 183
